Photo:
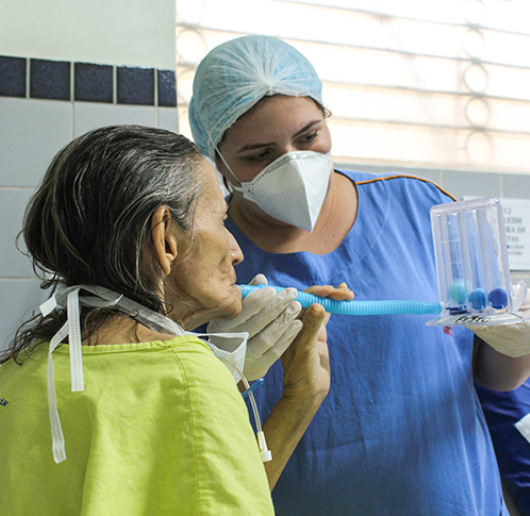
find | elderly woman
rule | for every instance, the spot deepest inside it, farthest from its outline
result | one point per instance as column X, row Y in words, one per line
column 401, row 431
column 140, row 416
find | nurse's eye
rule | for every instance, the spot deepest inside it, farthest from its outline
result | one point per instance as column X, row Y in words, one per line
column 309, row 137
column 262, row 156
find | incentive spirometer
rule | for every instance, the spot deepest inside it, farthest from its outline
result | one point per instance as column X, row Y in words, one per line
column 472, row 267
column 472, row 264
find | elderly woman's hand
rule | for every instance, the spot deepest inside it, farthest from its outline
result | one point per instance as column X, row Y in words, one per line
column 306, row 362
column 306, row 381
column 271, row 322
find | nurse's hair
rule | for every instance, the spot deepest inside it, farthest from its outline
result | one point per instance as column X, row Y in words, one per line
column 236, row 75
column 89, row 222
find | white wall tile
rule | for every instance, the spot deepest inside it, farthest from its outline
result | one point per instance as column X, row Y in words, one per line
column 13, row 264
column 19, row 299
column 168, row 119
column 31, row 133
column 88, row 116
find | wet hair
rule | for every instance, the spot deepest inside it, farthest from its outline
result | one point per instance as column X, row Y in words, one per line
column 89, row 222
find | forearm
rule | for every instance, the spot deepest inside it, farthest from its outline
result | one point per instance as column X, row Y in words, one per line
column 306, row 383
column 497, row 371
column 283, row 430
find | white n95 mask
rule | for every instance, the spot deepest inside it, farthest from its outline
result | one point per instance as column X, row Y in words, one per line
column 292, row 188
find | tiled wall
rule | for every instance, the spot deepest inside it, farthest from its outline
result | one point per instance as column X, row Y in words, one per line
column 43, row 105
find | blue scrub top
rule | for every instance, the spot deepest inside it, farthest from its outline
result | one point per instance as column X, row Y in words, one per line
column 401, row 431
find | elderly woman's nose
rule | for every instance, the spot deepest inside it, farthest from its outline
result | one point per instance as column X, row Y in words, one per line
column 235, row 250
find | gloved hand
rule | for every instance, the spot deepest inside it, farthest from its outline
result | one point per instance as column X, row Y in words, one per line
column 509, row 339
column 270, row 320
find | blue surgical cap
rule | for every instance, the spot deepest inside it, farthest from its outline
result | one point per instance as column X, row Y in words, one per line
column 236, row 75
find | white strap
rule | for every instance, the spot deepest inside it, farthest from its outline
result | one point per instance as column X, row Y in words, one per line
column 153, row 320
column 72, row 328
column 48, row 306
column 59, row 452
column 71, row 298
column 74, row 340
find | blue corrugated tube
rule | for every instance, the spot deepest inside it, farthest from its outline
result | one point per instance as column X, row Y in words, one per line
column 357, row 307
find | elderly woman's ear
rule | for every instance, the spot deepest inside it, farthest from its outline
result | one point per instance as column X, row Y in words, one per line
column 164, row 238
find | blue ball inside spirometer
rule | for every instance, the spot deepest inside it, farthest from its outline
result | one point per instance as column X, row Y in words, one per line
column 477, row 299
column 498, row 298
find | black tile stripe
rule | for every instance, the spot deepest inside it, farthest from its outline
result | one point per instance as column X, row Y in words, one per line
column 92, row 82
column 167, row 93
column 50, row 79
column 136, row 85
column 12, row 76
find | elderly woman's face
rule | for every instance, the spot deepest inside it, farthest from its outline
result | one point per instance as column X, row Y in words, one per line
column 204, row 274
column 274, row 126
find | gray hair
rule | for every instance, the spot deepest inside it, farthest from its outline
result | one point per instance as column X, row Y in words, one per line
column 89, row 222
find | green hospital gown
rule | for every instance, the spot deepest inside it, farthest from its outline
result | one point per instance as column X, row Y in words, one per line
column 160, row 429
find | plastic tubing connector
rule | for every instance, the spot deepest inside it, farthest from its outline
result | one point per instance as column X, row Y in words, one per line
column 356, row 307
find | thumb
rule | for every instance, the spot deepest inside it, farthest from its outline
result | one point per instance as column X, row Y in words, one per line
column 313, row 319
column 259, row 279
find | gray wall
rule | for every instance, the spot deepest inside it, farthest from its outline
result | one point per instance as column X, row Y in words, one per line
column 462, row 183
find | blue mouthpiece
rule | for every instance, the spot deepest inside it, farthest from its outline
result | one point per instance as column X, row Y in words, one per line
column 356, row 307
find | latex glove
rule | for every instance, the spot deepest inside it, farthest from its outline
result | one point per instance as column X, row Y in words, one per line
column 509, row 339
column 271, row 322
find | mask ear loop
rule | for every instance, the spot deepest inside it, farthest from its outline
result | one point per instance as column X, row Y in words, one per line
column 218, row 152
column 265, row 453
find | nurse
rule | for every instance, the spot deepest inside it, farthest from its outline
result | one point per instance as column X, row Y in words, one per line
column 401, row 431
column 108, row 405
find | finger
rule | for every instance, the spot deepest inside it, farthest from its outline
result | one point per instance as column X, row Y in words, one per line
column 259, row 279
column 320, row 290
column 275, row 331
column 278, row 350
column 270, row 312
column 313, row 319
column 341, row 293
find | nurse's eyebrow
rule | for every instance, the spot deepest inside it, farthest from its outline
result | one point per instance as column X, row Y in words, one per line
column 252, row 146
column 306, row 127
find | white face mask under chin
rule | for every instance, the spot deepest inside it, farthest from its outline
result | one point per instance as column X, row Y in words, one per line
column 233, row 358
column 292, row 188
